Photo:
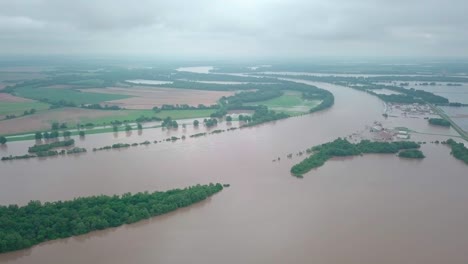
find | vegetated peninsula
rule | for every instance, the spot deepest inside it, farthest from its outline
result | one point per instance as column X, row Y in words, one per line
column 459, row 150
column 23, row 227
column 342, row 147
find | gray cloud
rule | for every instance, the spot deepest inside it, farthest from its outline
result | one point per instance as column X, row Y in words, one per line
column 235, row 27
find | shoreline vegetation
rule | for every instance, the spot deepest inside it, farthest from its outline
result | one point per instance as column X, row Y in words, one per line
column 459, row 150
column 342, row 148
column 47, row 150
column 25, row 226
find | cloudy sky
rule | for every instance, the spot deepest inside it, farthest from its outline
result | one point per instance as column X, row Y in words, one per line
column 235, row 28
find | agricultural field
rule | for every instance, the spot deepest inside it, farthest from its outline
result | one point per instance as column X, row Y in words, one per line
column 18, row 108
column 291, row 102
column 42, row 121
column 124, row 115
column 70, row 95
column 148, row 97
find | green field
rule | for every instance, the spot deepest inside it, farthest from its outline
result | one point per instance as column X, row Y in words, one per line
column 290, row 102
column 69, row 95
column 18, row 108
column 123, row 115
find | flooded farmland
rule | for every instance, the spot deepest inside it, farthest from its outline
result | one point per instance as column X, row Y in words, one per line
column 371, row 209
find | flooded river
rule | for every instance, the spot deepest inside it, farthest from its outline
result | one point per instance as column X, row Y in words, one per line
column 370, row 209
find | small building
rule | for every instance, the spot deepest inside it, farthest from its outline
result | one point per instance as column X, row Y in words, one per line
column 399, row 136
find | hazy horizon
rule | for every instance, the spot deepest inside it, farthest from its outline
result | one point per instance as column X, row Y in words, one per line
column 235, row 29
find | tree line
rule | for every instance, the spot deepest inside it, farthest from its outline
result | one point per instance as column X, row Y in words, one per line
column 24, row 226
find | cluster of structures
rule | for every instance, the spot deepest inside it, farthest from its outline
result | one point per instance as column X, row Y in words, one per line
column 378, row 132
column 408, row 110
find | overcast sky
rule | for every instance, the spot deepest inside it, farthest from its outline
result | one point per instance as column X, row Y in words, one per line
column 235, row 28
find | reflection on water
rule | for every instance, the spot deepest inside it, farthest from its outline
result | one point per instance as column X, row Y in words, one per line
column 370, row 209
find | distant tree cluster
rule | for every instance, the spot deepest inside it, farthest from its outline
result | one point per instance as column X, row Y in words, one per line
column 182, row 107
column 23, row 227
column 100, row 107
column 29, row 112
column 57, row 126
column 47, row 147
column 439, row 122
column 210, row 122
column 262, row 115
column 168, row 122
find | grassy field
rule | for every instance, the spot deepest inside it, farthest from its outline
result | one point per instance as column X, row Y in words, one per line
column 134, row 114
column 105, row 120
column 68, row 95
column 18, row 108
column 290, row 102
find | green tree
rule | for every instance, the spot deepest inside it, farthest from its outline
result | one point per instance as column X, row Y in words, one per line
column 228, row 118
column 3, row 140
column 82, row 133
column 55, row 126
column 140, row 127
column 128, row 127
column 66, row 134
column 196, row 123
column 38, row 136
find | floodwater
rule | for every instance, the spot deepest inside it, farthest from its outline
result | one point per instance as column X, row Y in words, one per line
column 152, row 82
column 196, row 69
column 459, row 115
column 370, row 209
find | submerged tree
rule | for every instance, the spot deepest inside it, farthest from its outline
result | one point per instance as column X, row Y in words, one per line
column 38, row 136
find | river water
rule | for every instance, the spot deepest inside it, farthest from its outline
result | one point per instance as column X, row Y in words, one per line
column 370, row 209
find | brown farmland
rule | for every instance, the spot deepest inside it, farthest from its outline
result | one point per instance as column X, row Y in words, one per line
column 147, row 98
column 4, row 97
column 43, row 120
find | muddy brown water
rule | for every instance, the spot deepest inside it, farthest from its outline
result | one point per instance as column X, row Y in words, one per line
column 370, row 209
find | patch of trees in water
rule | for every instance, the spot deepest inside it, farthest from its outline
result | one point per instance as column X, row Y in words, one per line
column 411, row 154
column 210, row 122
column 459, row 150
column 24, row 226
column 168, row 122
column 439, row 122
column 49, row 146
column 198, row 135
column 45, row 153
column 263, row 115
column 342, row 147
